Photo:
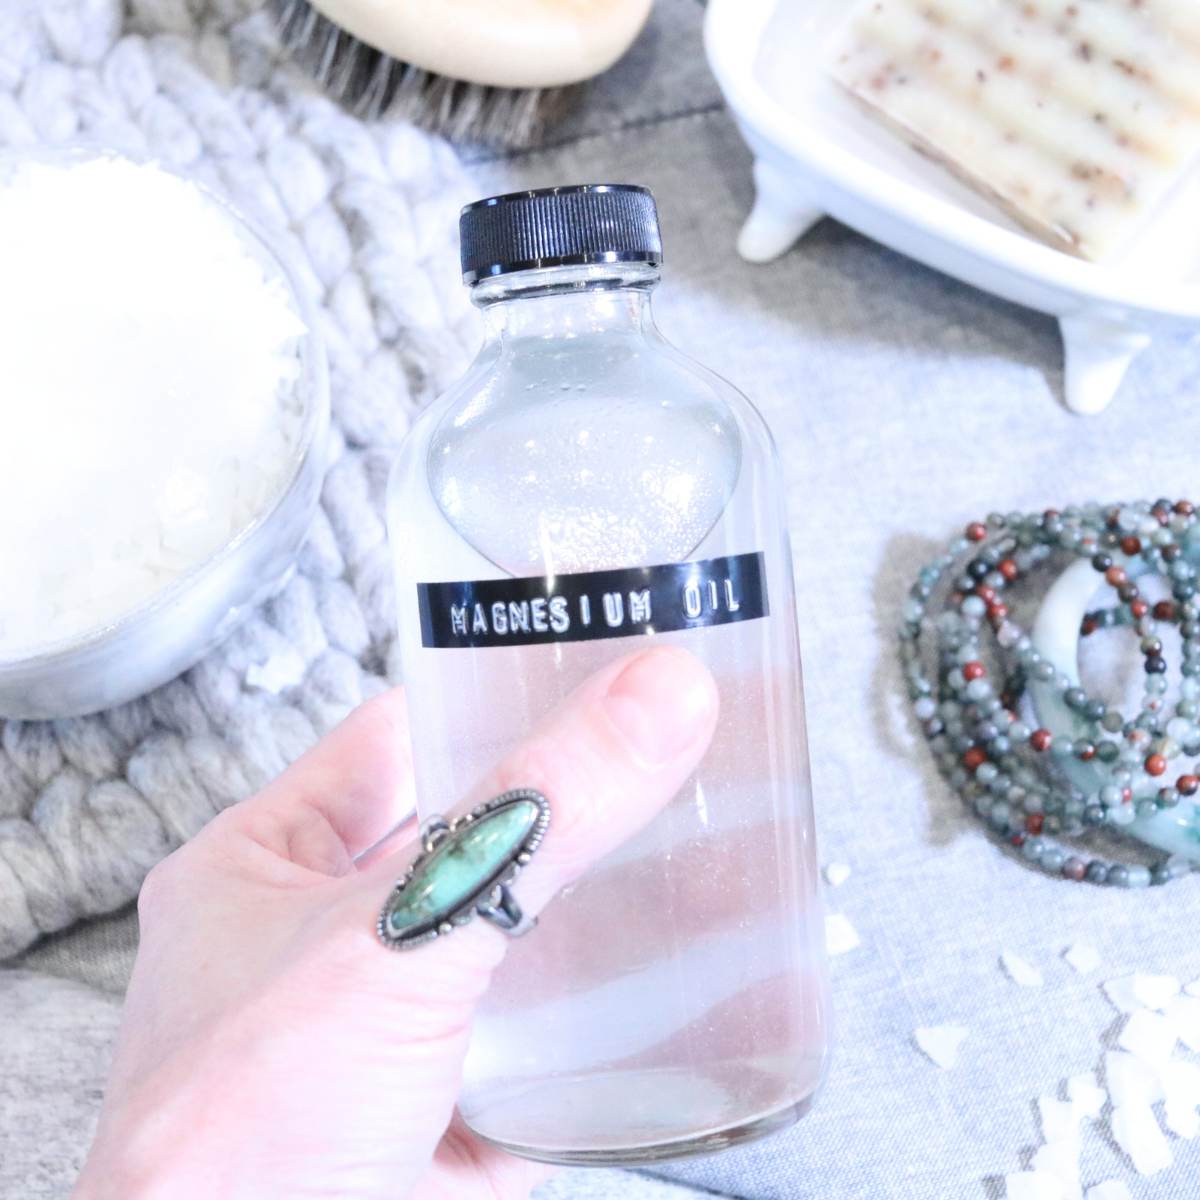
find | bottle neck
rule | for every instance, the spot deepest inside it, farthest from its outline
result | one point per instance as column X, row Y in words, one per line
column 567, row 302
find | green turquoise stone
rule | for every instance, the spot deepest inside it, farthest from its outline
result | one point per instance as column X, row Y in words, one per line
column 461, row 867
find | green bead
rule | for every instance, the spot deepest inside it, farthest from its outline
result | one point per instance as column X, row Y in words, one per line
column 461, row 867
column 1112, row 721
column 1167, row 747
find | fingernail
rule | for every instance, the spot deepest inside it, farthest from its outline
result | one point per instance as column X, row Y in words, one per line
column 662, row 703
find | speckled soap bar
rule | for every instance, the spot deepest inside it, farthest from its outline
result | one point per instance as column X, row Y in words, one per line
column 1076, row 117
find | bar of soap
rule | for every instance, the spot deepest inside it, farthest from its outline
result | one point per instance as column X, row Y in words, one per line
column 1077, row 118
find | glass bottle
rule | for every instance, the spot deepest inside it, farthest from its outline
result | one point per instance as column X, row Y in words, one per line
column 579, row 450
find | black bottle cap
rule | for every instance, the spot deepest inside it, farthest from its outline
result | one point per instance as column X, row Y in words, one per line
column 558, row 227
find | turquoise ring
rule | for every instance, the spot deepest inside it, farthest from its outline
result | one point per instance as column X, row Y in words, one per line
column 464, row 868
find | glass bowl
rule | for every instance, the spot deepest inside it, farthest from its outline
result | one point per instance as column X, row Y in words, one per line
column 174, row 628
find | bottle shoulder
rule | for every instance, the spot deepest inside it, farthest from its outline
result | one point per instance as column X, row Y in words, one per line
column 584, row 455
column 629, row 376
column 755, row 430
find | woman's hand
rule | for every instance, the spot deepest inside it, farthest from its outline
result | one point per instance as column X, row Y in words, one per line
column 271, row 1048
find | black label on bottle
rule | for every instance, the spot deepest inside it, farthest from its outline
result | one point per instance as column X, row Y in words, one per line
column 593, row 604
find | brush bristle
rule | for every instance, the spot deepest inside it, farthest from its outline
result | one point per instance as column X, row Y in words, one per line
column 371, row 83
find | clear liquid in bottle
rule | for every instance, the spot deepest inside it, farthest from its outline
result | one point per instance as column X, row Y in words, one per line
column 674, row 1000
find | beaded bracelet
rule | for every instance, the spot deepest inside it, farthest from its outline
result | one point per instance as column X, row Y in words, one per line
column 1028, row 782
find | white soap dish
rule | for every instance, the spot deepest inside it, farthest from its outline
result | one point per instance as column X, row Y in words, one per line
column 816, row 153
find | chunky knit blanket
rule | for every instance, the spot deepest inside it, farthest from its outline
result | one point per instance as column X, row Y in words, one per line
column 368, row 213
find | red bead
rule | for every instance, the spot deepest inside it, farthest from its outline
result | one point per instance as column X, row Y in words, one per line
column 1131, row 545
column 1139, row 608
column 1088, row 626
column 1017, row 839
column 1033, row 823
column 976, row 531
column 1187, row 784
column 1040, row 739
column 1185, row 508
column 1008, row 569
column 973, row 670
column 1164, row 610
column 1088, row 752
column 1116, row 576
column 1156, row 764
column 974, row 758
column 986, row 594
column 997, row 612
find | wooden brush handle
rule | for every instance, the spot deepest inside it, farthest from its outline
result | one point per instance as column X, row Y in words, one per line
column 500, row 43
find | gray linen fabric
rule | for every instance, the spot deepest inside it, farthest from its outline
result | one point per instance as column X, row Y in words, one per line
column 903, row 405
column 56, row 1039
column 98, row 952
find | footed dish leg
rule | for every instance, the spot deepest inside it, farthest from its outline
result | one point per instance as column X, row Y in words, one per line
column 782, row 212
column 1096, row 355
